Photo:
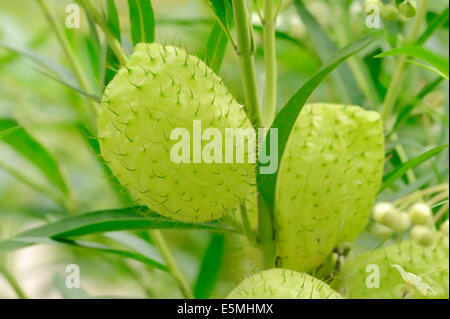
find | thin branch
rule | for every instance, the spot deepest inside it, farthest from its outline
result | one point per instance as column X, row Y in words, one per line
column 245, row 53
column 171, row 263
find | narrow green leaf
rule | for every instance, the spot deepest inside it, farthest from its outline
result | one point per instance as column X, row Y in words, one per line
column 209, row 270
column 406, row 110
column 286, row 118
column 34, row 152
column 434, row 25
column 325, row 48
column 440, row 63
column 105, row 221
column 429, row 68
column 216, row 48
column 6, row 132
column 112, row 63
column 43, row 62
column 71, row 85
column 90, row 245
column 223, row 12
column 142, row 21
column 401, row 170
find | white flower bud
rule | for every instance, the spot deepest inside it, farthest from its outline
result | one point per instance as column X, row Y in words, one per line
column 423, row 235
column 420, row 214
column 402, row 222
column 381, row 231
column 381, row 209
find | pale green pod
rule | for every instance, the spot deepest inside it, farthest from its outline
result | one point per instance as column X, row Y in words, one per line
column 162, row 88
column 283, row 284
column 375, row 275
column 327, row 182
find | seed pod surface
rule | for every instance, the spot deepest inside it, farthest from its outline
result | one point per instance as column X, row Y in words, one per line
column 283, row 284
column 162, row 88
column 429, row 263
column 328, row 179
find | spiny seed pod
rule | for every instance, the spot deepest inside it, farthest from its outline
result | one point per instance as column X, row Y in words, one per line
column 423, row 235
column 327, row 183
column 283, row 284
column 444, row 228
column 389, row 12
column 160, row 89
column 373, row 276
column 420, row 214
column 408, row 8
column 369, row 5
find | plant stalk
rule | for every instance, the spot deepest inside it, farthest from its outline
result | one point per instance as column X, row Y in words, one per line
column 245, row 53
column 101, row 22
column 82, row 80
column 397, row 79
column 160, row 242
column 12, row 281
column 270, row 60
column 266, row 234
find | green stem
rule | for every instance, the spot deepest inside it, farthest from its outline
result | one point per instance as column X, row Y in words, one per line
column 12, row 281
column 100, row 20
column 270, row 59
column 265, row 234
column 36, row 186
column 245, row 53
column 171, row 263
column 82, row 80
column 397, row 80
column 246, row 226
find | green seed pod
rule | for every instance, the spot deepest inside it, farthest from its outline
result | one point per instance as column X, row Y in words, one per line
column 420, row 214
column 423, row 235
column 372, row 275
column 327, row 183
column 408, row 8
column 369, row 5
column 389, row 12
column 444, row 228
column 162, row 88
column 283, row 284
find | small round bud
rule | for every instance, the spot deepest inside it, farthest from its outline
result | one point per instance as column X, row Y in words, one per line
column 381, row 209
column 389, row 12
column 444, row 228
column 423, row 235
column 402, row 222
column 408, row 8
column 420, row 214
column 380, row 231
column 393, row 219
column 369, row 5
